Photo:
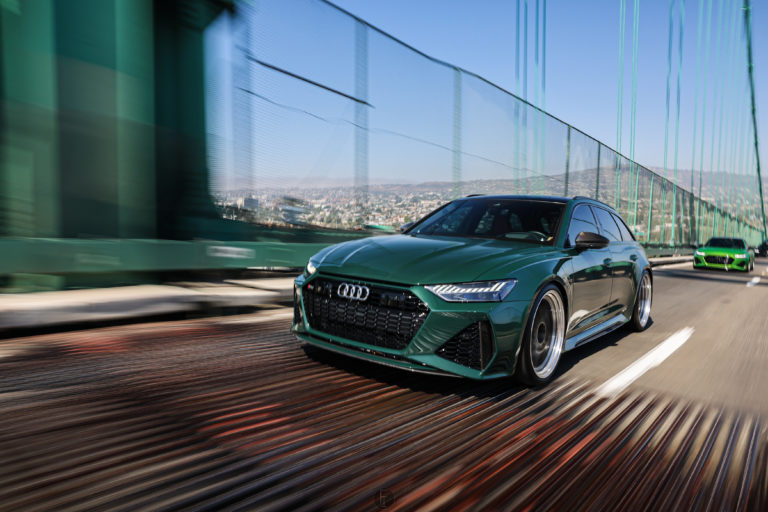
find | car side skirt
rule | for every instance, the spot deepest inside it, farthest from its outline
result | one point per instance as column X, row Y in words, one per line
column 601, row 329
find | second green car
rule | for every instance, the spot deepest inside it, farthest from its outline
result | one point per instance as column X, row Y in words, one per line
column 725, row 254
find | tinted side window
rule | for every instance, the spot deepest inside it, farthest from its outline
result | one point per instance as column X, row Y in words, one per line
column 581, row 220
column 625, row 233
column 608, row 227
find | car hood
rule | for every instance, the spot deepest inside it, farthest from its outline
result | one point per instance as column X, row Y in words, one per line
column 420, row 259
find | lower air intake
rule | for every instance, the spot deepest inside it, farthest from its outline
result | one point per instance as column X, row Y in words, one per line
column 472, row 347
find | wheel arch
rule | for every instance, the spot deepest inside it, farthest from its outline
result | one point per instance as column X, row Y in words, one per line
column 561, row 287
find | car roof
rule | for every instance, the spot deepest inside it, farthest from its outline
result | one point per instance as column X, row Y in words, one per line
column 551, row 199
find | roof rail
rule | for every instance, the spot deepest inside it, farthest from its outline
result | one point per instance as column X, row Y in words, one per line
column 474, row 195
column 593, row 199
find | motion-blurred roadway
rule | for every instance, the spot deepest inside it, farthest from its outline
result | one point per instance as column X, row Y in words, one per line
column 233, row 412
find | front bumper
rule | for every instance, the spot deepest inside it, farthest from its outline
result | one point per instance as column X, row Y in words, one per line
column 721, row 262
column 436, row 347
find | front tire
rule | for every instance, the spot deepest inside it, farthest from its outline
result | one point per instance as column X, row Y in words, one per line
column 544, row 338
column 641, row 314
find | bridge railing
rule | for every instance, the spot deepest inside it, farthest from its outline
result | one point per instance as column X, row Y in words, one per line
column 338, row 124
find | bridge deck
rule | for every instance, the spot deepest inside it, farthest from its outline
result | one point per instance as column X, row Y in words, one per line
column 233, row 413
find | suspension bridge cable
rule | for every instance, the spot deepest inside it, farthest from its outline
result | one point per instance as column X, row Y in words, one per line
column 543, row 88
column 704, row 114
column 695, row 214
column 536, row 101
column 525, row 93
column 726, row 83
column 715, row 96
column 666, row 119
column 633, row 122
column 619, row 120
column 677, row 123
column 750, row 69
column 517, row 104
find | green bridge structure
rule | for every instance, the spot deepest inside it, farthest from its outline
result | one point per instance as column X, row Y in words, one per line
column 145, row 138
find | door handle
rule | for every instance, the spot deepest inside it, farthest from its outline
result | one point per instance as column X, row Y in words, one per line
column 633, row 257
column 607, row 261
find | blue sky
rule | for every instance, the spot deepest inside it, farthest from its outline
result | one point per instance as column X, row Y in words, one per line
column 298, row 134
column 582, row 59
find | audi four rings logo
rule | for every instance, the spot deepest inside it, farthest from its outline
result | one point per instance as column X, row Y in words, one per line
column 353, row 291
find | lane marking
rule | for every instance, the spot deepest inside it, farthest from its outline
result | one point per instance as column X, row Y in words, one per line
column 654, row 358
column 753, row 282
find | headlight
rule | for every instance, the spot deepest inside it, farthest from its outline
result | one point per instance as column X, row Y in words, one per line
column 311, row 268
column 483, row 291
column 739, row 256
column 699, row 253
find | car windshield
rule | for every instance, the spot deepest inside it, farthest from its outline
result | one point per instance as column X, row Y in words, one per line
column 506, row 219
column 726, row 243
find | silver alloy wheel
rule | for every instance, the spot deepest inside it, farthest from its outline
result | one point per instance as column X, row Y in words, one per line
column 644, row 298
column 547, row 334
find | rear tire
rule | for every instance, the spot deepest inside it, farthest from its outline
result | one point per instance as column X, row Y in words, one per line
column 543, row 340
column 641, row 314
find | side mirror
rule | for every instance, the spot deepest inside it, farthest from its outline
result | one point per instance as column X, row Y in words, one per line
column 589, row 240
column 406, row 226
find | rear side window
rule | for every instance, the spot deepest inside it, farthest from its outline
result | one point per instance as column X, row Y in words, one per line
column 626, row 234
column 581, row 220
column 608, row 227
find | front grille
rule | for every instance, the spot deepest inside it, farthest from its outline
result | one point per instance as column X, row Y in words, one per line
column 388, row 318
column 472, row 347
column 719, row 260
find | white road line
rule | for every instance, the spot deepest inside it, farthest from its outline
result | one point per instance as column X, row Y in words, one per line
column 650, row 360
column 753, row 282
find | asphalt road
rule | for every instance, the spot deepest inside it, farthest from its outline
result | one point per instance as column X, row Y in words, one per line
column 724, row 362
column 233, row 413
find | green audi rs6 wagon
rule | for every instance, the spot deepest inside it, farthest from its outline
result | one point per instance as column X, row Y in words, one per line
column 483, row 287
column 725, row 254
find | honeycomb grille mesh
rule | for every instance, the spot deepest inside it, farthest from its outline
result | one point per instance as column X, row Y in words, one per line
column 472, row 347
column 388, row 318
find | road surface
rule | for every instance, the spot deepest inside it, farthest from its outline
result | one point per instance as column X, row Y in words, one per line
column 233, row 413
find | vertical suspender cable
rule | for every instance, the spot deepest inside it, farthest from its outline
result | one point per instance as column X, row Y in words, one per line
column 736, row 151
column 704, row 116
column 518, row 105
column 715, row 95
column 750, row 66
column 743, row 162
column 536, row 138
column 543, row 68
column 525, row 95
column 731, row 18
column 666, row 120
column 677, row 123
column 695, row 214
column 619, row 121
column 633, row 121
